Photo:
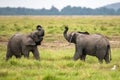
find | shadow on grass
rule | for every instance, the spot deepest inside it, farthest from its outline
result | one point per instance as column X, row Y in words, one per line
column 50, row 77
column 57, row 59
column 67, row 58
column 3, row 73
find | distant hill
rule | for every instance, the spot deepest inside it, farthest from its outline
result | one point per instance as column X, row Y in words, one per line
column 114, row 6
column 113, row 9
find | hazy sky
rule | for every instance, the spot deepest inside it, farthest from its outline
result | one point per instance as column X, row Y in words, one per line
column 38, row 4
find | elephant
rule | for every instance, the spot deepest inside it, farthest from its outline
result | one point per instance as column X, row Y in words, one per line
column 89, row 44
column 22, row 44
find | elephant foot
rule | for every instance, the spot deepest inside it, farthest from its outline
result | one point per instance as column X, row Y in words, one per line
column 100, row 61
column 107, row 62
column 75, row 59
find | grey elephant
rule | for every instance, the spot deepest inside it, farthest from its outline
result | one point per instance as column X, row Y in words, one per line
column 89, row 44
column 21, row 44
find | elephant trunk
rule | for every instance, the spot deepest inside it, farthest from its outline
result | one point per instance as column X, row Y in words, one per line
column 65, row 33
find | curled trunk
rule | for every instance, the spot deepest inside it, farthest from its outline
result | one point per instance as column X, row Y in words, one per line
column 65, row 33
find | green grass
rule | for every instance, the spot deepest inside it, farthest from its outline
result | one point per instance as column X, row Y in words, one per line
column 56, row 61
column 57, row 64
column 54, row 25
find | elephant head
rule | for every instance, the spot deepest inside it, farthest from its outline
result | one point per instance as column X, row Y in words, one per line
column 69, row 37
column 37, row 35
column 73, row 35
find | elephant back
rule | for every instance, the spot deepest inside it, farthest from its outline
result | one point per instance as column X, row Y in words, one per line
column 15, row 43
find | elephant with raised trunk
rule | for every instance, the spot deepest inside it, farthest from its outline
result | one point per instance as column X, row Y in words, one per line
column 89, row 44
column 21, row 44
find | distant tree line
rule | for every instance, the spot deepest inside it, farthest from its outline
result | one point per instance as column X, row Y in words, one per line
column 68, row 10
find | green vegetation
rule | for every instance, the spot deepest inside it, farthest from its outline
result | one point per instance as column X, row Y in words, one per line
column 57, row 64
column 67, row 10
column 107, row 25
column 56, row 57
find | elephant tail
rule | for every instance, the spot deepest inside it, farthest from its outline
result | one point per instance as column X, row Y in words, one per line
column 109, row 52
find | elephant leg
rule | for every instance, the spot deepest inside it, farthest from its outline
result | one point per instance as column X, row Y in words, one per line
column 108, row 55
column 26, row 53
column 107, row 60
column 82, row 57
column 100, row 53
column 9, row 54
column 36, row 54
column 100, row 60
column 18, row 56
column 78, row 53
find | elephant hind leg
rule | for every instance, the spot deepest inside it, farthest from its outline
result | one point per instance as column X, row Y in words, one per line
column 108, row 55
column 8, row 54
column 106, row 58
column 100, row 60
column 100, row 55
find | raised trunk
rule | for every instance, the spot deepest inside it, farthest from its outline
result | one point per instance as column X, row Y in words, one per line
column 65, row 34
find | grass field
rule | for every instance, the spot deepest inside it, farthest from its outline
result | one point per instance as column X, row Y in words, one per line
column 56, row 55
column 107, row 25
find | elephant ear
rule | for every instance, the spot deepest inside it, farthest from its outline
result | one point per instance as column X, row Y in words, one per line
column 73, row 36
column 29, row 41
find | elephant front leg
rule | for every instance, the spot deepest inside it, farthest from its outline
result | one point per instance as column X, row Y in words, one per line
column 78, row 53
column 82, row 57
column 26, row 53
column 36, row 54
column 76, row 56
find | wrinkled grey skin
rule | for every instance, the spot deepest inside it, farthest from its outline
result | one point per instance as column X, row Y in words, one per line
column 89, row 44
column 21, row 44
